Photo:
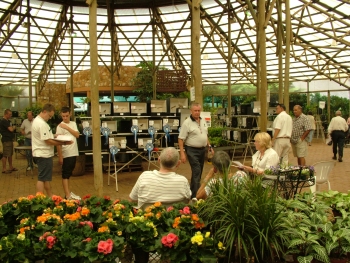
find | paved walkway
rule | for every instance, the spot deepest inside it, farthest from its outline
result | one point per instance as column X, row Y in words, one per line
column 12, row 187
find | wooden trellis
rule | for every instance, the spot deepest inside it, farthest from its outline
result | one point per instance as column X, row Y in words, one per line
column 173, row 81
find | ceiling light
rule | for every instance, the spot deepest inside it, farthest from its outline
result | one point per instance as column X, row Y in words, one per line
column 334, row 43
column 14, row 55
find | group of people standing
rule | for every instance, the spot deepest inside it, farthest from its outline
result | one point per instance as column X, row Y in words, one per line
column 40, row 137
column 289, row 133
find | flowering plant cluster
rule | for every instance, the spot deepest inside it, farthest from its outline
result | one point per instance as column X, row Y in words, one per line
column 99, row 229
column 305, row 172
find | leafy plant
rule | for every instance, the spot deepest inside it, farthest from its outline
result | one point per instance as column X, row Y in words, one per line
column 246, row 218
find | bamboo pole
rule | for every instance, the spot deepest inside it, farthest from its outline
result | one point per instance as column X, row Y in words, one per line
column 287, row 56
column 262, row 64
column 196, row 69
column 96, row 138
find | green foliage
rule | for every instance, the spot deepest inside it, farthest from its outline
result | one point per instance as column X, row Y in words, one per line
column 36, row 109
column 215, row 136
column 246, row 218
column 144, row 83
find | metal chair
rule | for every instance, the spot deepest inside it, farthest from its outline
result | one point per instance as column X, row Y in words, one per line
column 322, row 171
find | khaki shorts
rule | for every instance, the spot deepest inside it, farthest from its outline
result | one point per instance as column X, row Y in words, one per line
column 7, row 149
column 300, row 149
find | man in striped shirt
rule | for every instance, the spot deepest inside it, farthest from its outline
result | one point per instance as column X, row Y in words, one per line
column 165, row 185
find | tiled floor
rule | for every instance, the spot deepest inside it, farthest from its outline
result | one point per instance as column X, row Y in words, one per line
column 12, row 187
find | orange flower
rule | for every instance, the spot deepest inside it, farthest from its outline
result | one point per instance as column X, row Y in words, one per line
column 23, row 229
column 30, row 197
column 198, row 225
column 23, row 221
column 103, row 229
column 72, row 217
column 176, row 223
column 158, row 215
column 194, row 217
column 149, row 209
column 149, row 214
column 85, row 211
column 157, row 204
column 57, row 199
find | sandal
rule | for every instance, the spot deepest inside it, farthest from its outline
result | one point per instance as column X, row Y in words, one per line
column 6, row 172
column 14, row 169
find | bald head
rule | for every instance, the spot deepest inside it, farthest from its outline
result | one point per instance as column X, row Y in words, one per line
column 338, row 113
column 169, row 158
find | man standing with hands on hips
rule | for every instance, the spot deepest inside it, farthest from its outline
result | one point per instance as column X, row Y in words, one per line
column 193, row 139
column 301, row 128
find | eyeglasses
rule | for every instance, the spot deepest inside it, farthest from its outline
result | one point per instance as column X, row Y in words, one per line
column 50, row 116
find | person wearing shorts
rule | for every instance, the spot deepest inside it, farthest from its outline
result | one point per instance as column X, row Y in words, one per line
column 300, row 130
column 67, row 154
column 7, row 136
column 43, row 148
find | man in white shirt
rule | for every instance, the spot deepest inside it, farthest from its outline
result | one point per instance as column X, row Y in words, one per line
column 282, row 126
column 26, row 130
column 193, row 139
column 43, row 148
column 67, row 154
column 337, row 130
column 165, row 185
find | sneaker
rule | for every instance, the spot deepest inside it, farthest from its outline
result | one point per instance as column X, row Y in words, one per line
column 29, row 168
column 74, row 196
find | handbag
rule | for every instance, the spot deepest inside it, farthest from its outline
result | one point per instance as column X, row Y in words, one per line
column 329, row 140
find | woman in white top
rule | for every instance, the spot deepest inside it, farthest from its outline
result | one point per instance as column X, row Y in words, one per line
column 265, row 157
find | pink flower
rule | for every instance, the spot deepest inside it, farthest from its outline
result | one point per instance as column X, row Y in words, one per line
column 89, row 223
column 169, row 240
column 169, row 208
column 105, row 247
column 79, row 209
column 87, row 239
column 185, row 211
column 50, row 241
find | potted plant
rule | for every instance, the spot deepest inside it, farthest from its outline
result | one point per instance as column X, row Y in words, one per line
column 246, row 218
column 20, row 140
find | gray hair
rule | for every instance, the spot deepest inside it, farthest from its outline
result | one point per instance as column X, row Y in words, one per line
column 169, row 158
column 221, row 161
column 195, row 104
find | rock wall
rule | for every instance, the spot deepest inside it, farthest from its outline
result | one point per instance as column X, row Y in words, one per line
column 55, row 94
column 82, row 79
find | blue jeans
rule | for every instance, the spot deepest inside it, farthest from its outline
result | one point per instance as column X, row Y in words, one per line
column 28, row 142
column 309, row 136
column 196, row 158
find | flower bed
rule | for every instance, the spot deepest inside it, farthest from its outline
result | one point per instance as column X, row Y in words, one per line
column 99, row 229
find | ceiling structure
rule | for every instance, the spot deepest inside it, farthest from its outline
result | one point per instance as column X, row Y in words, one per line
column 48, row 41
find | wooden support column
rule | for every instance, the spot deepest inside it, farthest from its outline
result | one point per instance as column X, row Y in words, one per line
column 96, row 137
column 262, row 65
column 154, row 69
column 280, row 51
column 329, row 106
column 71, row 69
column 287, row 56
column 308, row 94
column 196, row 69
column 229, row 62
column 29, row 58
